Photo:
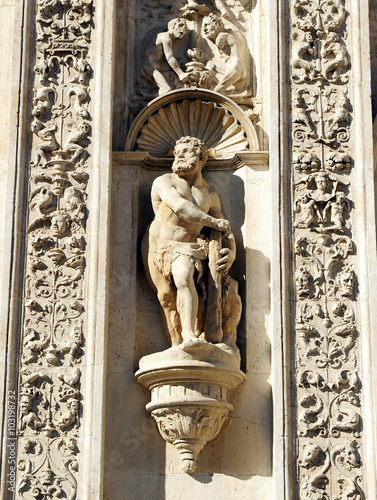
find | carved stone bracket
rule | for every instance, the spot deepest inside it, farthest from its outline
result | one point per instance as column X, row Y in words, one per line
column 190, row 387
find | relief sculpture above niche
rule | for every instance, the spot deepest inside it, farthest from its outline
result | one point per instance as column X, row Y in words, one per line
column 191, row 44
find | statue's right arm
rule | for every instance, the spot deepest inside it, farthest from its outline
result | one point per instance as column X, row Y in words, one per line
column 164, row 190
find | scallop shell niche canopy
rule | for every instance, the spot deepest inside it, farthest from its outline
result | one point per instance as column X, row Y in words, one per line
column 214, row 125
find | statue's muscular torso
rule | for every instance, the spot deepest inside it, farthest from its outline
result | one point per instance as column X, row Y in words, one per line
column 171, row 222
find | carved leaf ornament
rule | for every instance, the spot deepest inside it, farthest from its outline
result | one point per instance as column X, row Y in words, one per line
column 328, row 389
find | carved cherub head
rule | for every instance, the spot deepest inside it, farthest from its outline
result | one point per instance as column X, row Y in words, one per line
column 302, row 280
column 190, row 154
column 177, row 28
column 341, row 198
column 24, row 405
column 308, row 37
column 36, row 126
column 332, row 37
column 211, row 26
column 59, row 223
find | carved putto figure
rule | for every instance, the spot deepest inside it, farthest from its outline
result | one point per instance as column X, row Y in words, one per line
column 187, row 236
column 230, row 51
column 305, row 206
column 163, row 59
column 336, row 55
column 49, row 144
column 302, row 53
column 339, row 116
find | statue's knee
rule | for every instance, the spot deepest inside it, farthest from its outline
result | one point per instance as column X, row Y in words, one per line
column 166, row 299
column 183, row 277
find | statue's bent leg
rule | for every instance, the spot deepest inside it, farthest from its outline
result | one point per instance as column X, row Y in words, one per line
column 187, row 296
column 163, row 85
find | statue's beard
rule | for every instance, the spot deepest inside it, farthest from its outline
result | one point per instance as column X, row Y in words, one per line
column 184, row 166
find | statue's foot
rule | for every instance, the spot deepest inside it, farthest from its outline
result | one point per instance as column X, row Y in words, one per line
column 190, row 341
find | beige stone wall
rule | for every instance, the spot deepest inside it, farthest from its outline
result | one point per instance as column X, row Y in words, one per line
column 7, row 47
column 255, row 457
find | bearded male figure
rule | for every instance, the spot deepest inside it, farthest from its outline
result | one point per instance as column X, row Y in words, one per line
column 177, row 250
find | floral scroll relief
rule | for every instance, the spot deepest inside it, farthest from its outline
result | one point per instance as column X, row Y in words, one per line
column 329, row 412
column 53, row 339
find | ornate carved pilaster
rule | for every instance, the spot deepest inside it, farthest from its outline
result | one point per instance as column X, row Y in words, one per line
column 52, row 336
column 328, row 419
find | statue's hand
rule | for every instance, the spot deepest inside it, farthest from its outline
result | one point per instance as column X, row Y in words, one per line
column 223, row 264
column 185, row 78
column 223, row 225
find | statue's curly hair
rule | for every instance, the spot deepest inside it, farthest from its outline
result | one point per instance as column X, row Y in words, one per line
column 200, row 146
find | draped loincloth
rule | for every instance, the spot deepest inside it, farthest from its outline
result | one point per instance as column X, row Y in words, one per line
column 168, row 251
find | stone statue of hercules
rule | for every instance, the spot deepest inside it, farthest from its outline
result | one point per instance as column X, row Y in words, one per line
column 174, row 248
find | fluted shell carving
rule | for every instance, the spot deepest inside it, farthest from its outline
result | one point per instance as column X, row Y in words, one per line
column 213, row 125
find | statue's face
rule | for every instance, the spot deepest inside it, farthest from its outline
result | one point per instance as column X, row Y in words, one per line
column 84, row 127
column 73, row 405
column 58, row 225
column 302, row 283
column 187, row 159
column 179, row 29
column 209, row 28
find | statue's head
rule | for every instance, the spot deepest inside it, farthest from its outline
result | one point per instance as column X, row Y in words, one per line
column 211, row 26
column 24, row 405
column 190, row 153
column 177, row 27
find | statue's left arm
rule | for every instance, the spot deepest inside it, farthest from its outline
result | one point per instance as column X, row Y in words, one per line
column 228, row 250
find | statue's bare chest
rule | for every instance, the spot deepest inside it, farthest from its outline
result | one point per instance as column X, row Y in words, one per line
column 199, row 195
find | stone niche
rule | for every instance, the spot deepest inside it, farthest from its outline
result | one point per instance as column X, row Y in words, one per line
column 211, row 401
